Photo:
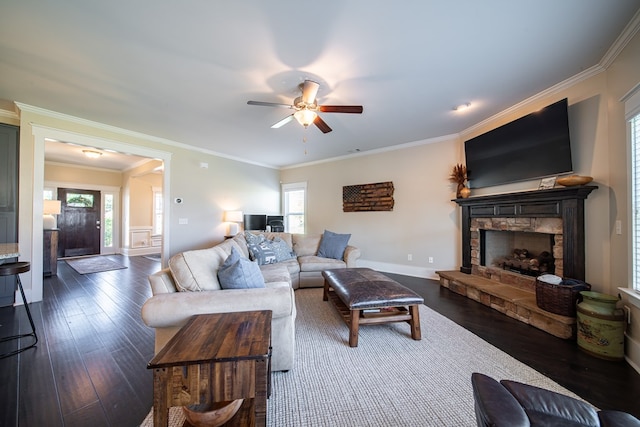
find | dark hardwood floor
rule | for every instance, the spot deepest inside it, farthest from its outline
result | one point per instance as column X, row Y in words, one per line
column 89, row 368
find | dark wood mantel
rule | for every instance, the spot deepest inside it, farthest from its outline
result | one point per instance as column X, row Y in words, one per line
column 566, row 203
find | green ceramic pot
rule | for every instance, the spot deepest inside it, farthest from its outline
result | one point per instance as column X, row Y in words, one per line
column 600, row 326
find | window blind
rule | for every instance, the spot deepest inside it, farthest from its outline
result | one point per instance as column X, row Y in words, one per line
column 635, row 197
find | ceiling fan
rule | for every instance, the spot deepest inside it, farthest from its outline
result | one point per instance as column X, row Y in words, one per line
column 307, row 108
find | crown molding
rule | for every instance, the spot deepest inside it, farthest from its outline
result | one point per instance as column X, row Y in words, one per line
column 376, row 151
column 621, row 42
column 553, row 90
column 130, row 133
column 11, row 115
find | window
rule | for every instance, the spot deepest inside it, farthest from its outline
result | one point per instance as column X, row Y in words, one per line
column 157, row 211
column 632, row 114
column 294, row 200
column 77, row 200
column 635, row 198
column 108, row 221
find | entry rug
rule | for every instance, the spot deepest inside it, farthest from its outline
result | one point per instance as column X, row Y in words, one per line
column 94, row 264
column 389, row 379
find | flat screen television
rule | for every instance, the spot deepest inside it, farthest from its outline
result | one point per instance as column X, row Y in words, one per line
column 255, row 222
column 534, row 146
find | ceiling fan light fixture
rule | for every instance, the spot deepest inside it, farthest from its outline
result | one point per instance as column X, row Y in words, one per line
column 92, row 154
column 305, row 117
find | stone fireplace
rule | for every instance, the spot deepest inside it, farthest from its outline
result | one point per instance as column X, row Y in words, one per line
column 557, row 215
column 549, row 224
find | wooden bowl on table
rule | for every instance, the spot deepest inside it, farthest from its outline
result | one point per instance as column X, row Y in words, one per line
column 571, row 180
column 211, row 414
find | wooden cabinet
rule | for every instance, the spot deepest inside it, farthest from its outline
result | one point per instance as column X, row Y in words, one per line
column 8, row 202
column 50, row 255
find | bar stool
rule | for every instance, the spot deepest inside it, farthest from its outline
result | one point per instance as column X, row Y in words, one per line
column 15, row 269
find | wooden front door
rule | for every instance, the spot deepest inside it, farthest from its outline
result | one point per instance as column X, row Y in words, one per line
column 79, row 222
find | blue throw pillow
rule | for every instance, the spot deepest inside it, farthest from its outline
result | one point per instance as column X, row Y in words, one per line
column 333, row 245
column 238, row 272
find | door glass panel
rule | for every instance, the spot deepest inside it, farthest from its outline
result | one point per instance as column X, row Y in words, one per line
column 78, row 200
column 108, row 220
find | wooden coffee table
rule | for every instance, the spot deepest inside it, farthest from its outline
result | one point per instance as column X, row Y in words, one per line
column 216, row 358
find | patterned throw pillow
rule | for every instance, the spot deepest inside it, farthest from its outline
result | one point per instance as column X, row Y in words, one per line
column 262, row 253
column 254, row 239
column 282, row 250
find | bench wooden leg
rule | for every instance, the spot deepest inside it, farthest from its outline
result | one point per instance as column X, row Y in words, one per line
column 354, row 328
column 325, row 294
column 416, row 334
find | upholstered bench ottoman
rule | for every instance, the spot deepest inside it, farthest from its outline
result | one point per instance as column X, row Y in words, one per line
column 363, row 296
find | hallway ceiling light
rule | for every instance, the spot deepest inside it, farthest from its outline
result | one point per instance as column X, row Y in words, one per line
column 92, row 154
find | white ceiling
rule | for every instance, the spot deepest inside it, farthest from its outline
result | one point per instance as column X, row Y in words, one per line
column 184, row 70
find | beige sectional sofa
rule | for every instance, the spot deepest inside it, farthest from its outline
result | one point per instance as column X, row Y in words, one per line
column 190, row 286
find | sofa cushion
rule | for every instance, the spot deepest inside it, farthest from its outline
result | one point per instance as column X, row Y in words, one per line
column 306, row 244
column 494, row 405
column 546, row 407
column 316, row 263
column 197, row 270
column 275, row 273
column 238, row 272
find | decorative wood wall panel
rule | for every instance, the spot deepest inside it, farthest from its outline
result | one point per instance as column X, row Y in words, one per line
column 368, row 197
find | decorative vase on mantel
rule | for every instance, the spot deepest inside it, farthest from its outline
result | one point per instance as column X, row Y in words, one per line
column 464, row 192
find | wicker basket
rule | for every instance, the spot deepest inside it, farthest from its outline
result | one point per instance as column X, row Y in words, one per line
column 560, row 299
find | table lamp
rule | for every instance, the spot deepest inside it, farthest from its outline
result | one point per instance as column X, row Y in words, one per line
column 233, row 218
column 49, row 209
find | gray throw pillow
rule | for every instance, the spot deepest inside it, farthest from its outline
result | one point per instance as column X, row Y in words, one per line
column 238, row 272
column 262, row 253
column 282, row 250
column 333, row 245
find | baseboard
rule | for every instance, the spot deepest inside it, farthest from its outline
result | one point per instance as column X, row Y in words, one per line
column 139, row 251
column 406, row 270
column 632, row 355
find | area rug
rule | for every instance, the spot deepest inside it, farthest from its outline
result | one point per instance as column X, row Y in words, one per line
column 389, row 379
column 94, row 264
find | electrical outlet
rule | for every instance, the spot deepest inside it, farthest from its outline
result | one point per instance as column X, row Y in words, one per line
column 618, row 227
column 430, row 260
column 409, row 257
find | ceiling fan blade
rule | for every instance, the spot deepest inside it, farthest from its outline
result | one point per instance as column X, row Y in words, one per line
column 269, row 104
column 309, row 91
column 282, row 122
column 322, row 125
column 356, row 109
